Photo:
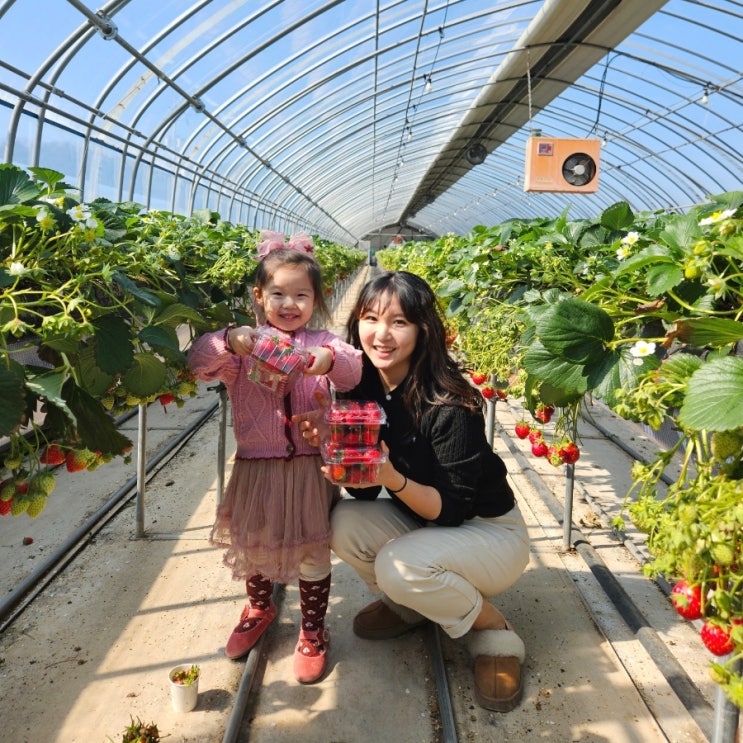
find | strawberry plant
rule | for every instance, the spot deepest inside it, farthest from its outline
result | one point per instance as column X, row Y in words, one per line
column 101, row 295
column 139, row 732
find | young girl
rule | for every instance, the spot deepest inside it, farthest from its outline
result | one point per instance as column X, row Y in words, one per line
column 450, row 535
column 273, row 519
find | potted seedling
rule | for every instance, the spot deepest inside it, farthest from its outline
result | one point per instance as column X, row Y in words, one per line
column 184, row 687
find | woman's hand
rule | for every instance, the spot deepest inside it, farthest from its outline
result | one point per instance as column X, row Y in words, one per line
column 312, row 423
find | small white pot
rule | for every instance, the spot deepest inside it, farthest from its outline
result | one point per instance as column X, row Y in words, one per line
column 183, row 696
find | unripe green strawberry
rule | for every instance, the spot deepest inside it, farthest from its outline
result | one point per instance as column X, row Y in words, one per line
column 722, row 554
column 20, row 505
column 688, row 514
column 8, row 491
column 36, row 505
column 45, row 482
column 13, row 461
column 108, row 402
column 725, row 444
column 132, row 401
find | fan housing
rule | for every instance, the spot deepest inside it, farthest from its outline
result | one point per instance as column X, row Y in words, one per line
column 562, row 165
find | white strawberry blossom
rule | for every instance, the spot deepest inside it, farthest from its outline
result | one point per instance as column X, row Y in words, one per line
column 631, row 238
column 83, row 217
column 622, row 252
column 16, row 268
column 45, row 219
column 717, row 217
column 718, row 286
column 640, row 350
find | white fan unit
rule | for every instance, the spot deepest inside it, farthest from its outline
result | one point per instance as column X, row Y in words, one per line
column 562, row 165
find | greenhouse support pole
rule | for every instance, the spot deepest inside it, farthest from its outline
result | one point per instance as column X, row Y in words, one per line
column 725, row 722
column 221, row 441
column 490, row 418
column 567, row 519
column 490, row 422
column 141, row 466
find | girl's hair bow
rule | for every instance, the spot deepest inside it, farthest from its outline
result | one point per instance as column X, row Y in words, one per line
column 276, row 241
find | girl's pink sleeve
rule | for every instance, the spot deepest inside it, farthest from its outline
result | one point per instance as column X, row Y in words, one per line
column 346, row 371
column 210, row 360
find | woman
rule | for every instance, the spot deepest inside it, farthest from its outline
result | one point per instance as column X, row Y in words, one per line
column 451, row 534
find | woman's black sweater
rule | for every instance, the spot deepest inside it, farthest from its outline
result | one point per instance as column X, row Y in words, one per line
column 450, row 453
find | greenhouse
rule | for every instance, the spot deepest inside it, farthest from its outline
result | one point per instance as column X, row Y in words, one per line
column 563, row 177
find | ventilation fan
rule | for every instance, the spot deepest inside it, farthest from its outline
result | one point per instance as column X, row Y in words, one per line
column 579, row 169
column 562, row 165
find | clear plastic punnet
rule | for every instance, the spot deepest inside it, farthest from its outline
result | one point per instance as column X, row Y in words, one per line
column 355, row 422
column 276, row 362
column 352, row 465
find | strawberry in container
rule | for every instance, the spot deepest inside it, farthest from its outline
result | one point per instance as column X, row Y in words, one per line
column 355, row 422
column 352, row 465
column 276, row 362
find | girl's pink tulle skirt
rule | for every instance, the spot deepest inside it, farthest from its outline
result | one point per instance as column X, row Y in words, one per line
column 274, row 516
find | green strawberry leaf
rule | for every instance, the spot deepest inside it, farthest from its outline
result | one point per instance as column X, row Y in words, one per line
column 575, row 331
column 114, row 350
column 12, row 394
column 712, row 387
column 146, row 376
column 709, row 331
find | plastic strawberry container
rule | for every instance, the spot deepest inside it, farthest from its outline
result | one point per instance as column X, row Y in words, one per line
column 355, row 422
column 276, row 362
column 352, row 465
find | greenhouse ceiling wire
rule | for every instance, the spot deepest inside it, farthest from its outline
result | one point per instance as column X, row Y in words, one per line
column 354, row 119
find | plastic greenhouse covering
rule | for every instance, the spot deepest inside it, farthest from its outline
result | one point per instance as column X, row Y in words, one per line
column 349, row 118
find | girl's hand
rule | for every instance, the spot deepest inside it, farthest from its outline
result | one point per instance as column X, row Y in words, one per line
column 322, row 360
column 241, row 339
column 312, row 423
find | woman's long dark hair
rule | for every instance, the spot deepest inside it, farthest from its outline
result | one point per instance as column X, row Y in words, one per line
column 435, row 378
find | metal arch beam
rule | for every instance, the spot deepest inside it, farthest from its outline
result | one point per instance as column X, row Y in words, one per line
column 65, row 51
column 558, row 36
column 114, row 81
column 404, row 82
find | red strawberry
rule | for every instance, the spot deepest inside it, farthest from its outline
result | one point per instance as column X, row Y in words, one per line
column 166, row 398
column 717, row 638
column 539, row 449
column 687, row 599
column 501, row 393
column 52, row 455
column 478, row 378
column 337, row 472
column 570, row 453
column 544, row 413
column 488, row 392
column 522, row 429
column 77, row 460
column 5, row 506
column 553, row 456
column 535, row 436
